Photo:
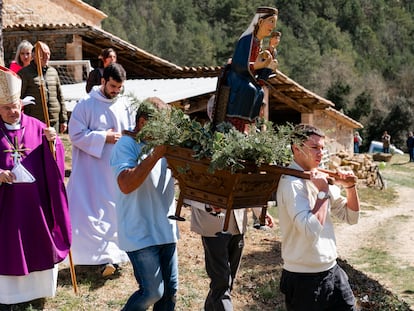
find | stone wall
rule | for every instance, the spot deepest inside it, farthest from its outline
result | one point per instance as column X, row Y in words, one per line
column 339, row 135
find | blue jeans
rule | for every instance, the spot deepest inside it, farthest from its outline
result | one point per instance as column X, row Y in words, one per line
column 156, row 271
column 356, row 148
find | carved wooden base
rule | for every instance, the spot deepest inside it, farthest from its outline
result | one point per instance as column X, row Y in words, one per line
column 250, row 187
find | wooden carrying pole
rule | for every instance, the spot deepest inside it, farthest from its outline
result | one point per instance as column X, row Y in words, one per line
column 38, row 58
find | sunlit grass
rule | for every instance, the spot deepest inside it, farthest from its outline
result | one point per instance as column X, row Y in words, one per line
column 399, row 171
column 376, row 197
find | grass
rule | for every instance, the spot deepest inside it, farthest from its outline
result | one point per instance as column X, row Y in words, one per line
column 373, row 198
column 399, row 172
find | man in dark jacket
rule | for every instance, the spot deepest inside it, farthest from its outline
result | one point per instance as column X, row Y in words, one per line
column 30, row 87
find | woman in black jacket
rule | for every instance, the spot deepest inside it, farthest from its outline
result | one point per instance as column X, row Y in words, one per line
column 107, row 57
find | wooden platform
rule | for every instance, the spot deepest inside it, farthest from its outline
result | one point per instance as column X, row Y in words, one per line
column 250, row 187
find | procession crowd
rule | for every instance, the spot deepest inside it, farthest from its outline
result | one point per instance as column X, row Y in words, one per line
column 115, row 206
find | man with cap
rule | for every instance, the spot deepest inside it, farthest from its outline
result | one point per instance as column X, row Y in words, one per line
column 35, row 231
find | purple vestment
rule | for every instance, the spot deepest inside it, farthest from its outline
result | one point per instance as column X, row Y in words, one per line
column 35, row 230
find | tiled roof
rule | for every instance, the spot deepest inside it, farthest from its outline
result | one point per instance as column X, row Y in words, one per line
column 336, row 114
column 139, row 63
column 293, row 95
column 169, row 90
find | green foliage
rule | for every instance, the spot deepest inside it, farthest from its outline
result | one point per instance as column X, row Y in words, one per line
column 363, row 106
column 397, row 121
column 173, row 127
column 232, row 148
column 226, row 147
column 337, row 93
column 375, row 128
column 399, row 118
column 380, row 30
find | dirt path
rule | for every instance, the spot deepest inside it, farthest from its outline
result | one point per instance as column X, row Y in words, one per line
column 399, row 240
column 349, row 237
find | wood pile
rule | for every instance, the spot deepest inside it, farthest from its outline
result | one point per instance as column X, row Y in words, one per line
column 362, row 164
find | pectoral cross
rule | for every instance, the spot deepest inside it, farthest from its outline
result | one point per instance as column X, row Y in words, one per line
column 16, row 150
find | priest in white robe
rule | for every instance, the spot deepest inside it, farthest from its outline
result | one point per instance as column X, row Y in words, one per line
column 95, row 126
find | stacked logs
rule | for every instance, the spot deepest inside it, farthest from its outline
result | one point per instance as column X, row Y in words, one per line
column 363, row 165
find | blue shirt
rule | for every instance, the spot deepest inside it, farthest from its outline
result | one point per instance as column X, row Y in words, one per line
column 142, row 215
